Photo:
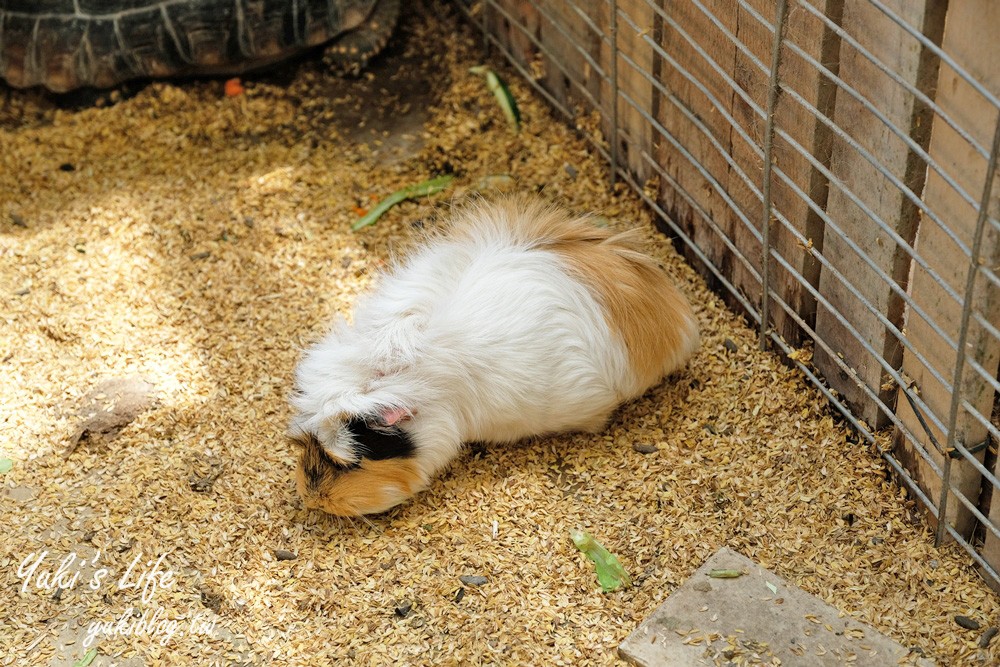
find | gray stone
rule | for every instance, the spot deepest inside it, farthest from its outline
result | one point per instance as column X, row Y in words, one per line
column 757, row 618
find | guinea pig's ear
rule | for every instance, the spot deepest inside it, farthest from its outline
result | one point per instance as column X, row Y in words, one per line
column 392, row 416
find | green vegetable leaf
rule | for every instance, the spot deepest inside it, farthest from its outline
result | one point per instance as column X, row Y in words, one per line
column 726, row 574
column 5, row 465
column 504, row 97
column 610, row 573
column 87, row 658
column 425, row 189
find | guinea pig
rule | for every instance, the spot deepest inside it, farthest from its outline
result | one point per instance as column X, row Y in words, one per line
column 520, row 320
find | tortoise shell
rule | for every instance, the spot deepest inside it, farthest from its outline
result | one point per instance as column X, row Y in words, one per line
column 66, row 44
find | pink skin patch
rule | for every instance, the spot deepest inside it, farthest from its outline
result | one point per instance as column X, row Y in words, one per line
column 391, row 416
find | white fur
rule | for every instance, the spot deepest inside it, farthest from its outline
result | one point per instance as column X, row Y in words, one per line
column 478, row 340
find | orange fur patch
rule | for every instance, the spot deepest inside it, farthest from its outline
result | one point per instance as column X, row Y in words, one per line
column 650, row 315
column 370, row 488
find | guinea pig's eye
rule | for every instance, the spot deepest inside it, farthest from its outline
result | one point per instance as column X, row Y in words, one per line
column 343, row 467
column 335, row 461
column 300, row 438
column 317, row 453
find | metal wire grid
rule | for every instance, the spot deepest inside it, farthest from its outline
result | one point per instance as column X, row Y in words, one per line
column 781, row 47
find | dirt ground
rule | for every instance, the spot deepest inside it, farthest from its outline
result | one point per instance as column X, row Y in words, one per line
column 164, row 257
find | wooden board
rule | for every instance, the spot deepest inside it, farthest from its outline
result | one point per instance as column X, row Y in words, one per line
column 898, row 50
column 798, row 123
column 562, row 67
column 508, row 22
column 694, row 196
column 970, row 38
column 635, row 89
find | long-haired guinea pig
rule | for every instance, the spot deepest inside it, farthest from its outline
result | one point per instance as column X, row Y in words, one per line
column 521, row 320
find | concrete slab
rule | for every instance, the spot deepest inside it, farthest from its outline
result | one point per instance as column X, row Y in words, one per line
column 754, row 619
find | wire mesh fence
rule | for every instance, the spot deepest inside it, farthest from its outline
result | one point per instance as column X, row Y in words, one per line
column 831, row 167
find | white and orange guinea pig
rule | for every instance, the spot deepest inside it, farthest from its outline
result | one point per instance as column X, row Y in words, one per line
column 520, row 320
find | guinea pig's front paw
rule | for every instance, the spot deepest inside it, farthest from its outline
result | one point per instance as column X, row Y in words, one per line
column 368, row 487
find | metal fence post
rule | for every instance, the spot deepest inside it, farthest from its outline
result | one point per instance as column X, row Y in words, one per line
column 781, row 14
column 963, row 333
column 485, row 27
column 614, row 93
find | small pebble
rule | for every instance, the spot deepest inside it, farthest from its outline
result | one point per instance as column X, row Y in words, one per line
column 18, row 221
column 473, row 579
column 403, row 609
column 67, row 166
column 201, row 255
column 967, row 623
column 644, row 448
column 988, row 636
column 730, row 345
column 571, row 170
column 702, row 586
column 211, row 599
column 283, row 554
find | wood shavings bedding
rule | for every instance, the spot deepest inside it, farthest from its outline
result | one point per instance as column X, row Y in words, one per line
column 199, row 241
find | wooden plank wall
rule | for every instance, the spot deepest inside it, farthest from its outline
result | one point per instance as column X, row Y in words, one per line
column 693, row 79
column 635, row 89
column 799, row 134
column 695, row 199
column 699, row 44
column 862, row 180
column 970, row 38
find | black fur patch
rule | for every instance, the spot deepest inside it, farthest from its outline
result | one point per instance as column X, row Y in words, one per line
column 379, row 443
column 314, row 472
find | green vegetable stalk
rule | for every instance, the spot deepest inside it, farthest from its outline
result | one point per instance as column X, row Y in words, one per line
column 610, row 572
column 425, row 189
column 503, row 95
